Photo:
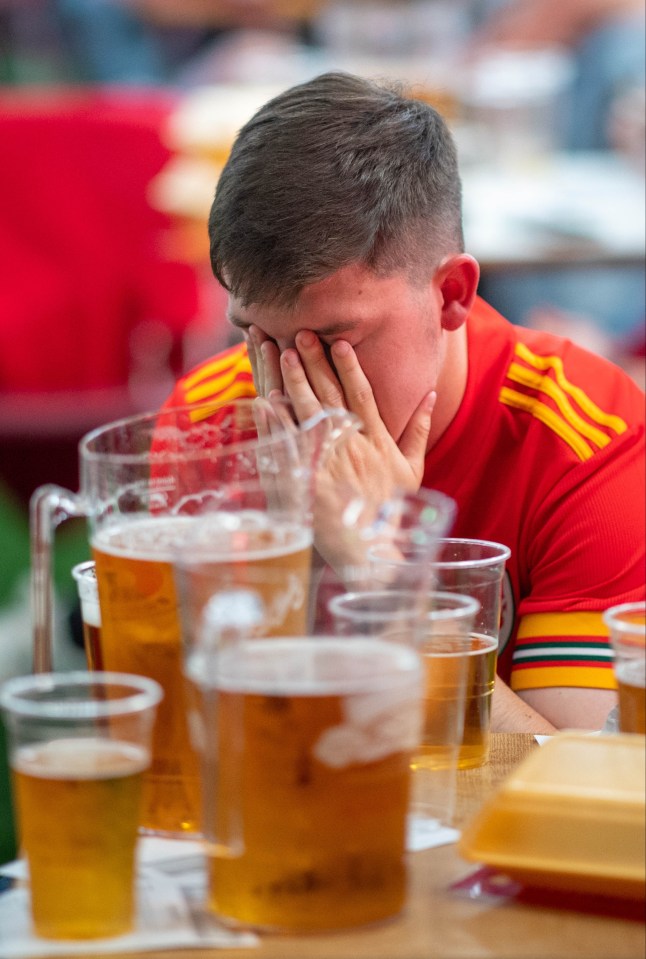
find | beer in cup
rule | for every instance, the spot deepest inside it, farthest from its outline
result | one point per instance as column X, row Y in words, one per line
column 251, row 538
column 307, row 750
column 79, row 746
column 627, row 626
column 460, row 668
column 473, row 568
column 441, row 632
column 85, row 577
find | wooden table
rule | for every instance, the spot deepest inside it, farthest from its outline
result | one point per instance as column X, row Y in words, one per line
column 438, row 923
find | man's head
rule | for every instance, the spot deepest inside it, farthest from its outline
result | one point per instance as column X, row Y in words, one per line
column 336, row 171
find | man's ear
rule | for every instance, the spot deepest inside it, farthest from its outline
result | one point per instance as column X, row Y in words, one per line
column 457, row 279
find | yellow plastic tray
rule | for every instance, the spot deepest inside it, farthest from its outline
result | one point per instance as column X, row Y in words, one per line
column 572, row 817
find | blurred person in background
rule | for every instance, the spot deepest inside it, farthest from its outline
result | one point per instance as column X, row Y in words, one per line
column 109, row 43
column 603, row 109
column 606, row 38
column 164, row 41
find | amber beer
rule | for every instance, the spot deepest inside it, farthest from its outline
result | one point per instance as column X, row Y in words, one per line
column 92, row 641
column 627, row 627
column 81, row 877
column 85, row 576
column 306, row 816
column 266, row 553
column 631, row 681
column 141, row 634
column 475, row 657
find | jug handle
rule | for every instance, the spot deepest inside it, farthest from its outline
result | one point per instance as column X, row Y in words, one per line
column 49, row 506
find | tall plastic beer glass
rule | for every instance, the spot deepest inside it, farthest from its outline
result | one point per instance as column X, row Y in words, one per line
column 79, row 745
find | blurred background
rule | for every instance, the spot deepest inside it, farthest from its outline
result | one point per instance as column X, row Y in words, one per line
column 116, row 115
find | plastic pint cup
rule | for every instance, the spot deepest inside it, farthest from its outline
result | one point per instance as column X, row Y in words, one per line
column 79, row 744
column 474, row 567
column 85, row 577
column 627, row 626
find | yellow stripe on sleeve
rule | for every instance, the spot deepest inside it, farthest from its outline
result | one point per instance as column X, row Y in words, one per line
column 561, row 624
column 239, row 388
column 586, row 677
column 231, row 361
column 587, row 405
column 211, row 388
column 551, row 419
column 537, row 381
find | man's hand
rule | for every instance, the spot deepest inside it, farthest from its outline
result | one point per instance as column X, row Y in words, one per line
column 366, row 469
column 371, row 460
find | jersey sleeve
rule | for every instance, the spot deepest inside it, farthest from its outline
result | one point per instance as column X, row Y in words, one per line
column 585, row 549
column 212, row 385
column 220, row 379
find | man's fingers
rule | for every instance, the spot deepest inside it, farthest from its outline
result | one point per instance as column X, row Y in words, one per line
column 256, row 368
column 283, row 411
column 270, row 361
column 297, row 386
column 359, row 396
column 414, row 439
column 319, row 370
column 265, row 361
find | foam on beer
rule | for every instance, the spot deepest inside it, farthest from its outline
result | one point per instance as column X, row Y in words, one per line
column 91, row 613
column 151, row 538
column 88, row 758
column 257, row 534
column 379, row 683
column 211, row 537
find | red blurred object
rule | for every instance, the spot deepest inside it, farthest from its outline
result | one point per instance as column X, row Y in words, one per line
column 491, row 886
column 92, row 309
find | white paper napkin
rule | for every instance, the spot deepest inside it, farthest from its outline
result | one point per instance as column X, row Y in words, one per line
column 170, row 914
column 428, row 833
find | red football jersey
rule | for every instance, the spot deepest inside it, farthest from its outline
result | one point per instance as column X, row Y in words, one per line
column 546, row 455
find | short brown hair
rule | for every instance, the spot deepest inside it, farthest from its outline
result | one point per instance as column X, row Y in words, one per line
column 334, row 171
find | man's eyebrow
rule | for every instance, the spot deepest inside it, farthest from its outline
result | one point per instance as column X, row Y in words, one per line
column 236, row 321
column 341, row 326
column 332, row 329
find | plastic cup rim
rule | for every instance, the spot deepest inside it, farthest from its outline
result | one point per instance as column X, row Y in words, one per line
column 625, row 627
column 146, row 694
column 501, row 556
column 470, row 606
column 81, row 569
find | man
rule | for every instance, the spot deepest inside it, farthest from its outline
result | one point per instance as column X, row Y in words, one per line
column 336, row 228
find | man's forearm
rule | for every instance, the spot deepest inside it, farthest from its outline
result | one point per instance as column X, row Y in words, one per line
column 549, row 709
column 511, row 714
